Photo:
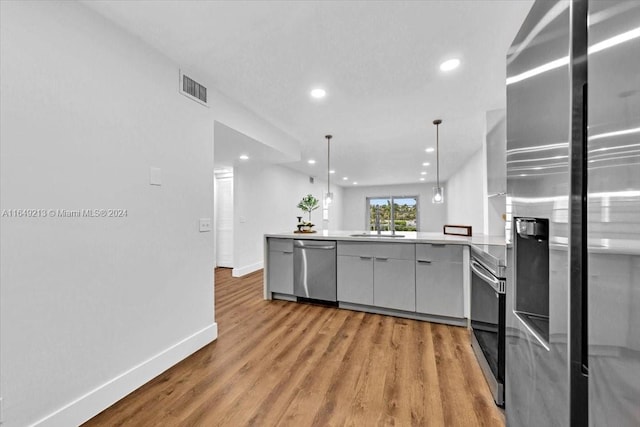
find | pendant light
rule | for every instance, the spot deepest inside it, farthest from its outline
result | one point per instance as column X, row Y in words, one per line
column 438, row 192
column 329, row 196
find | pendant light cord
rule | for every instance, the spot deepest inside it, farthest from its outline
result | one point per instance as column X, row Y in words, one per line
column 437, row 123
column 328, row 163
column 438, row 155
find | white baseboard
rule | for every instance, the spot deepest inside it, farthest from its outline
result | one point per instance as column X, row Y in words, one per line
column 100, row 398
column 239, row 272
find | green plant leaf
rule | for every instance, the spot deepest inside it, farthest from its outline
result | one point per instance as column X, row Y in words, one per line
column 308, row 203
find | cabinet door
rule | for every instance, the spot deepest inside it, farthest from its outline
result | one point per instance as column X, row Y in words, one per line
column 394, row 284
column 281, row 271
column 355, row 279
column 439, row 288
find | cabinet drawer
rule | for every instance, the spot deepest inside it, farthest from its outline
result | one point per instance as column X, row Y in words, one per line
column 356, row 249
column 378, row 250
column 437, row 252
column 280, row 245
column 396, row 251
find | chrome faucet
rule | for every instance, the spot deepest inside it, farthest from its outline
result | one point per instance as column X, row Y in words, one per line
column 377, row 223
column 392, row 221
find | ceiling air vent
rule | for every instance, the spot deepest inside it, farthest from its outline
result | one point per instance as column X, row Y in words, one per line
column 192, row 89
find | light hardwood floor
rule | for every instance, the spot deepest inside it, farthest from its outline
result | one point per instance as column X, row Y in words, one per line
column 279, row 363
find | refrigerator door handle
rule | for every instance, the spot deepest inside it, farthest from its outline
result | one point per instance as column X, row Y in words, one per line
column 584, row 344
column 578, row 216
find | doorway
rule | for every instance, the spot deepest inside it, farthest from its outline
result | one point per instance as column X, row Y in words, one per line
column 223, row 205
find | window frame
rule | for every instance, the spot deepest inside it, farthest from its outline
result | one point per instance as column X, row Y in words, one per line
column 367, row 212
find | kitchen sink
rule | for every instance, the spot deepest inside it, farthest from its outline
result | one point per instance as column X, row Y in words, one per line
column 376, row 235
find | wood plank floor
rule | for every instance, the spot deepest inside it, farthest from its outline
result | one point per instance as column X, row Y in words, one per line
column 279, row 363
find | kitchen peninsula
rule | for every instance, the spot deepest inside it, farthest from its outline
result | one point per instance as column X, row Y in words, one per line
column 416, row 275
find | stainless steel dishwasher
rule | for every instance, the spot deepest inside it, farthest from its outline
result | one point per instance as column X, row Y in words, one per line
column 314, row 269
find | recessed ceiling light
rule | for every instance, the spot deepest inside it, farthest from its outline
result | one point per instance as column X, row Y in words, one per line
column 430, row 150
column 244, row 157
column 355, row 183
column 332, row 171
column 426, row 164
column 318, row 93
column 450, row 64
column 421, row 179
column 423, row 173
column 344, row 178
column 311, row 162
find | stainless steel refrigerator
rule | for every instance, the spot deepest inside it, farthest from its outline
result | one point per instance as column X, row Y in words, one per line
column 573, row 196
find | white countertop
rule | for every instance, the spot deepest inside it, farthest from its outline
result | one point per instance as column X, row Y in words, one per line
column 409, row 237
column 493, row 247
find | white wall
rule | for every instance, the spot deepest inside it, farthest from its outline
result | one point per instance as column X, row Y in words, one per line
column 265, row 200
column 495, row 146
column 354, row 213
column 465, row 192
column 91, row 308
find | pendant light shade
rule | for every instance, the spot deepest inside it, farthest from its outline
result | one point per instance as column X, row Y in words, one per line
column 438, row 191
column 438, row 195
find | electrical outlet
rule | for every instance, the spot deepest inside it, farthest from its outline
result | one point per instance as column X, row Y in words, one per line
column 205, row 225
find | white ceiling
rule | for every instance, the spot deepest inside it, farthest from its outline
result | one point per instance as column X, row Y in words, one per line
column 227, row 154
column 378, row 62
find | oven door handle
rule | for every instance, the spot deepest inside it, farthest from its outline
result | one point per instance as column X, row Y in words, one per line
column 496, row 284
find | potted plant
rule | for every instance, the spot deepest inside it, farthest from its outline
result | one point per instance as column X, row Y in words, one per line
column 308, row 204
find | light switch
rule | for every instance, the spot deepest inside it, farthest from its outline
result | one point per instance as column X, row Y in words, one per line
column 155, row 176
column 205, row 225
column 242, row 220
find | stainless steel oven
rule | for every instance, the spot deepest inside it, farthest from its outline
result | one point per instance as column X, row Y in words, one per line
column 488, row 315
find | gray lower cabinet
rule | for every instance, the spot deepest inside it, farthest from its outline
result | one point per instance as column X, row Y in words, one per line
column 439, row 280
column 394, row 283
column 355, row 279
column 280, row 266
column 377, row 274
column 423, row 278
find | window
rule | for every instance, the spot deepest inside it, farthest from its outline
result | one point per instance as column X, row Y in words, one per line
column 402, row 211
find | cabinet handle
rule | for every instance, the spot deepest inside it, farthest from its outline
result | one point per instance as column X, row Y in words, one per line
column 365, row 257
column 424, row 261
column 381, row 259
column 287, row 253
